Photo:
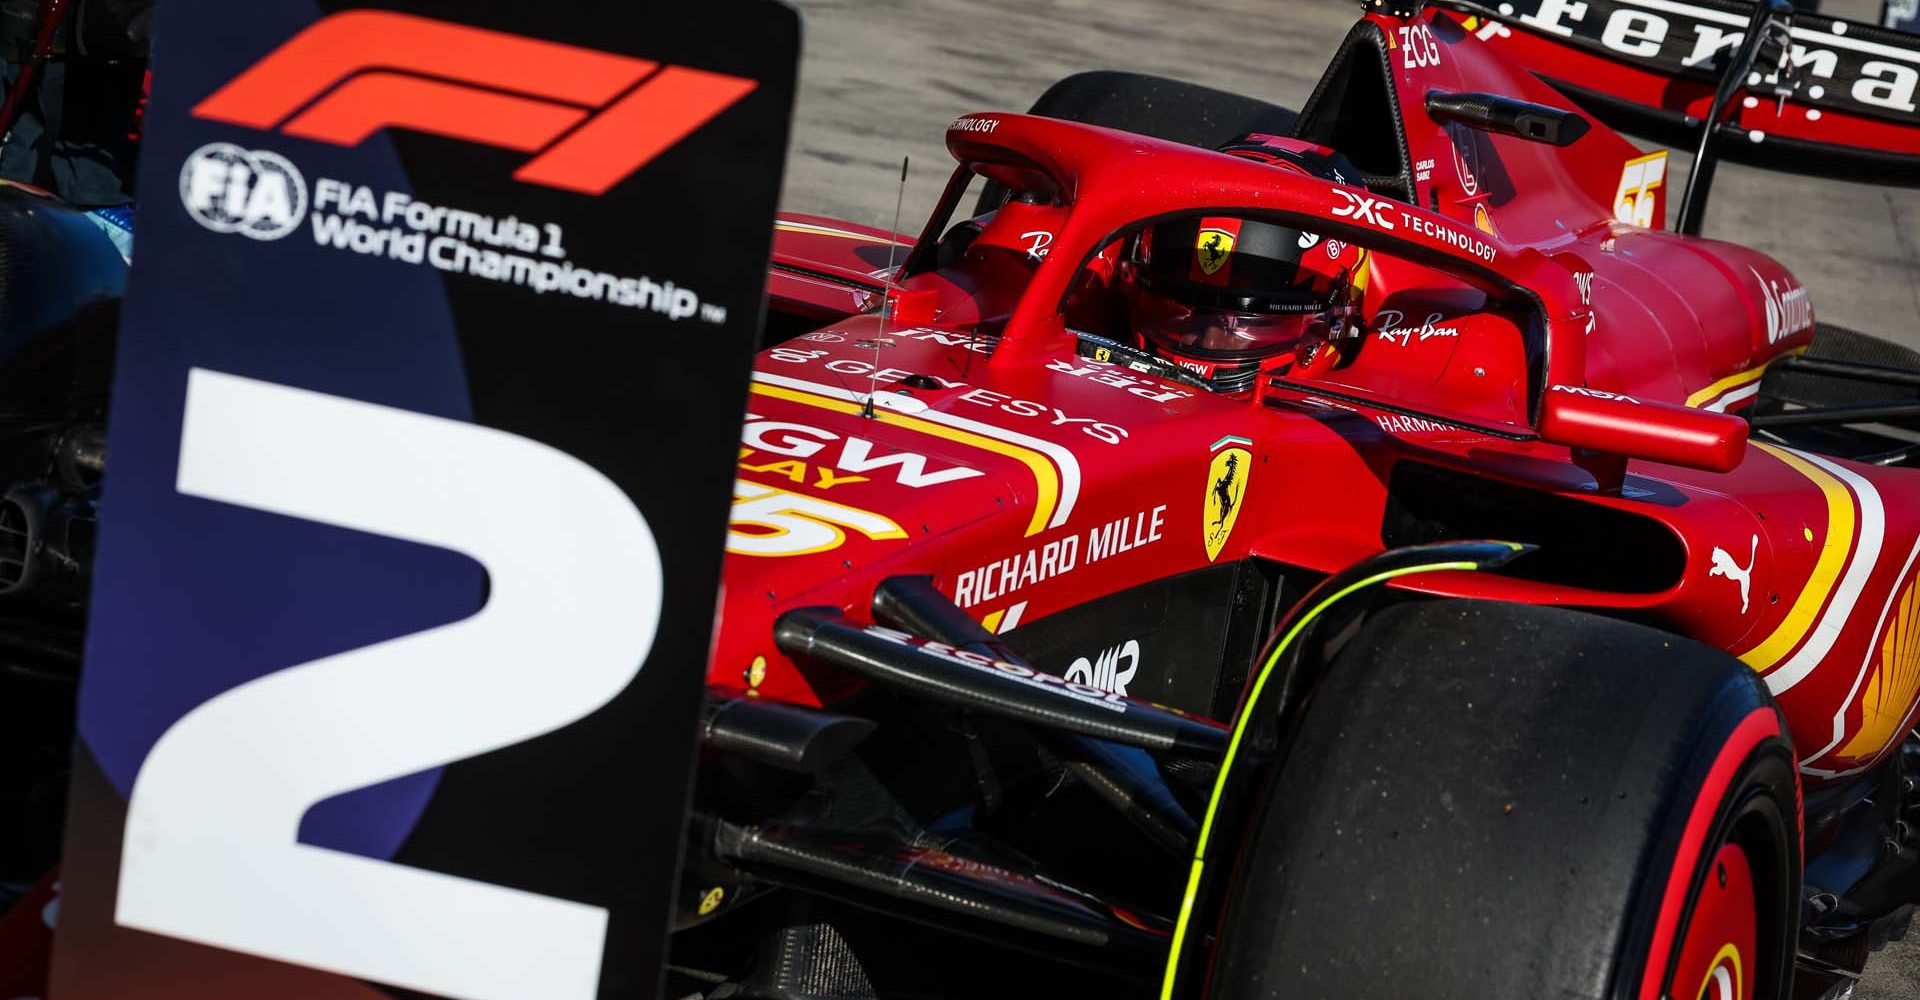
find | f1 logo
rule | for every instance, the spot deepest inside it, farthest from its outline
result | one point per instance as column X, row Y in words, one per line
column 592, row 117
column 1362, row 208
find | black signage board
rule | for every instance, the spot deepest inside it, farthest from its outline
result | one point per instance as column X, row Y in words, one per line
column 422, row 434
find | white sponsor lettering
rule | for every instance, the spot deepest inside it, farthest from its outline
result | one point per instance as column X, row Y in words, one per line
column 1634, row 32
column 854, row 456
column 1389, row 320
column 1363, row 208
column 1886, row 85
column 1418, row 48
column 1025, row 675
column 1058, row 557
column 1097, row 429
column 1789, row 310
column 1409, row 425
column 1551, row 16
column 1111, row 670
column 1581, row 390
column 1447, row 234
column 974, row 125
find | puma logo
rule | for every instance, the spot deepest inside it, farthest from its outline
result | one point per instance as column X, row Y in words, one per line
column 1723, row 565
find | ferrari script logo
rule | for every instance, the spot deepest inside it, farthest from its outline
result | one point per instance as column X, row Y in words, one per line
column 1226, row 485
column 1215, row 246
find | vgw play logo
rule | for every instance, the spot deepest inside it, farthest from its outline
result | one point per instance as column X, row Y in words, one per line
column 255, row 193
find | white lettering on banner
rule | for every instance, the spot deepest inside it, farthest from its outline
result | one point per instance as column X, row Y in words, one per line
column 211, row 853
column 1058, row 557
column 394, row 226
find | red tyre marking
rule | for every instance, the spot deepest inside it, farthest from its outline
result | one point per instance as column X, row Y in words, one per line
column 1751, row 732
column 1720, row 947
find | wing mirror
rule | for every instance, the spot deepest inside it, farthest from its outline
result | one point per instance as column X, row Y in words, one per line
column 1605, row 429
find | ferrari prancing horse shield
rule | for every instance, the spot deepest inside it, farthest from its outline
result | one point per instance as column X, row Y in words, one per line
column 1226, row 485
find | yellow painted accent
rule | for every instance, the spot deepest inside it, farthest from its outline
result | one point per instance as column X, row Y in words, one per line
column 1233, row 748
column 1737, row 379
column 802, row 227
column 1826, row 569
column 1727, row 951
column 1730, row 382
column 1896, row 679
column 1044, row 475
column 992, row 621
column 756, row 673
column 1806, row 533
column 711, row 901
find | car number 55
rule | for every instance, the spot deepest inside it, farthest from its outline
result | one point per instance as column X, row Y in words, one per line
column 210, row 853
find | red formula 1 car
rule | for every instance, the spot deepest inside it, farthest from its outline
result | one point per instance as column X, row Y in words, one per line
column 1357, row 553
column 1352, row 553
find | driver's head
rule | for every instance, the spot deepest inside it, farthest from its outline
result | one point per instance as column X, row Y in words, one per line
column 1227, row 298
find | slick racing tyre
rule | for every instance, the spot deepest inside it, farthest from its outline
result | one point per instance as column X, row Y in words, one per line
column 1154, row 106
column 1495, row 800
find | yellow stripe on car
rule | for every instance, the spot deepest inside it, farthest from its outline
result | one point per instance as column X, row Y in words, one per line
column 1826, row 569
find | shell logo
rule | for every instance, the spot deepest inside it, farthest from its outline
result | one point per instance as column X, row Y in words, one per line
column 1896, row 677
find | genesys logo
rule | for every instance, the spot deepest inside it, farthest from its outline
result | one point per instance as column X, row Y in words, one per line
column 592, row 118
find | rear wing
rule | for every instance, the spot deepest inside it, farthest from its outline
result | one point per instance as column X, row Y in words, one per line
column 1785, row 89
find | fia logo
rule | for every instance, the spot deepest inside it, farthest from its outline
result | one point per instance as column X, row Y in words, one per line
column 1362, row 208
column 256, row 193
column 1105, row 671
column 1723, row 565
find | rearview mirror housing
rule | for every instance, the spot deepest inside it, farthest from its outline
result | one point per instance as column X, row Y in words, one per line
column 1619, row 425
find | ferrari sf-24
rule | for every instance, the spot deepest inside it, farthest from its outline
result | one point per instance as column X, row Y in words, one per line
column 1353, row 552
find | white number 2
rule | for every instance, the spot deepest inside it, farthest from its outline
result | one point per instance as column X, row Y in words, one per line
column 210, row 852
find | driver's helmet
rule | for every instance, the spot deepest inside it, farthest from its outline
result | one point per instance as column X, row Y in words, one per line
column 1227, row 298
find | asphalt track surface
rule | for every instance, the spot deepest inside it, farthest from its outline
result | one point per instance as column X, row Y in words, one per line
column 880, row 79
